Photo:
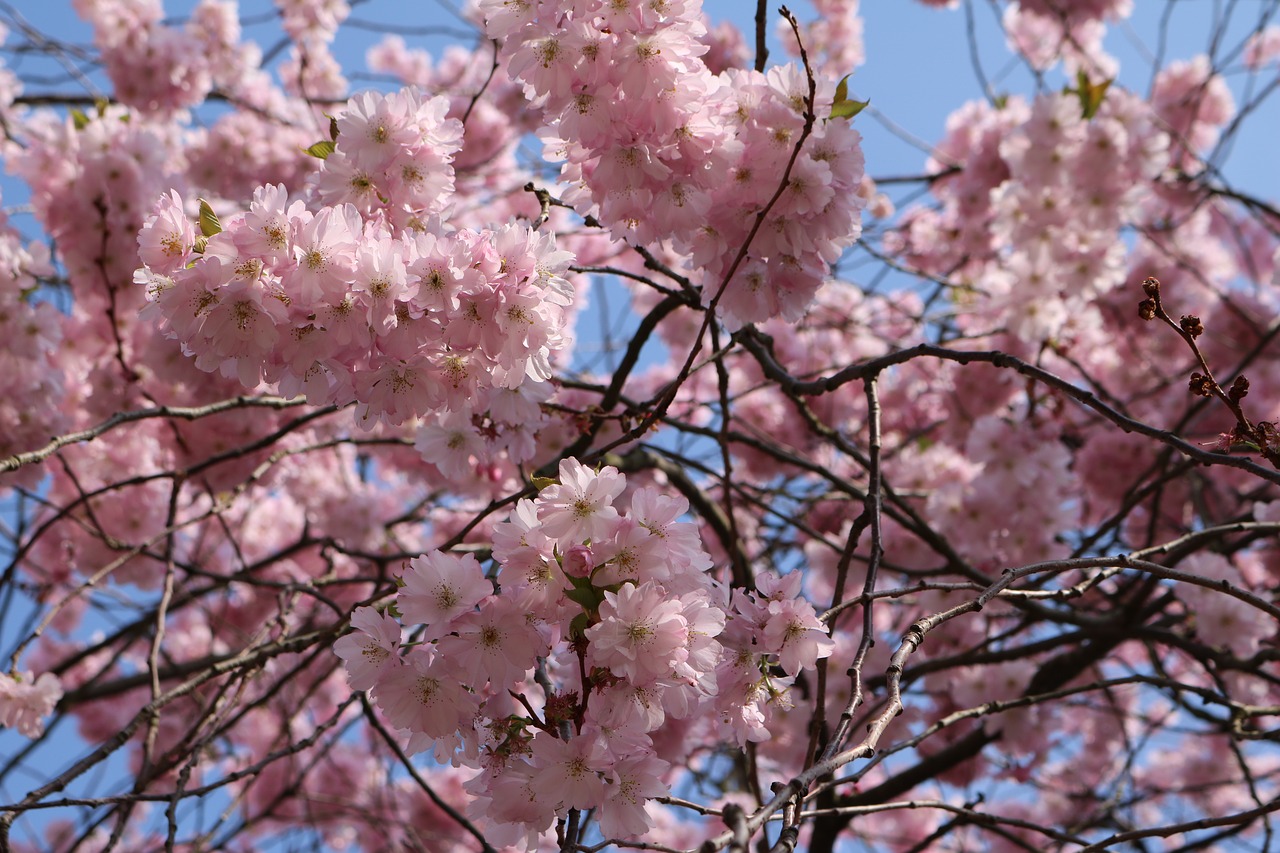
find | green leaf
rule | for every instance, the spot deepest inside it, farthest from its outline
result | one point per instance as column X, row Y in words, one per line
column 843, row 106
column 321, row 149
column 588, row 598
column 333, row 128
column 578, row 626
column 209, row 224
column 842, row 88
column 848, row 109
column 78, row 119
column 541, row 483
column 1090, row 94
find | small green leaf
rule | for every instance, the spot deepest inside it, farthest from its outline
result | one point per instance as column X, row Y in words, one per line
column 541, row 483
column 847, row 108
column 209, row 224
column 843, row 106
column 321, row 149
column 842, row 88
column 198, row 248
column 1090, row 94
column 78, row 119
column 333, row 128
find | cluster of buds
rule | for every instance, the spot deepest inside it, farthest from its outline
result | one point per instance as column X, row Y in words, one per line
column 1262, row 437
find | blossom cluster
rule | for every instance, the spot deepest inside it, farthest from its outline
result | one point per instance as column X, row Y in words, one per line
column 158, row 68
column 1046, row 31
column 1034, row 214
column 360, row 293
column 554, row 675
column 30, row 380
column 25, row 701
column 658, row 148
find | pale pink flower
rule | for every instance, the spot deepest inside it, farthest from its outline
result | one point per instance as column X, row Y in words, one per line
column 580, row 506
column 794, row 633
column 167, row 238
column 25, row 700
column 394, row 391
column 631, row 553
column 423, row 697
column 324, row 248
column 495, row 644
column 373, row 128
column 453, row 444
column 520, row 545
column 641, row 635
column 439, row 587
column 1262, row 48
column 570, row 773
column 269, row 226
column 371, row 649
column 678, row 542
column 634, row 781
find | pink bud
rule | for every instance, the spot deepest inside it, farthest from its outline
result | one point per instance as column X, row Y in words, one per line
column 578, row 561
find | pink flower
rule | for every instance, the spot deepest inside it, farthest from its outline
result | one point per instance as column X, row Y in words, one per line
column 678, row 542
column 24, row 701
column 635, row 780
column 167, row 239
column 1262, row 48
column 570, row 773
column 580, row 506
column 794, row 633
column 440, row 587
column 370, row 650
column 268, row 225
column 373, row 128
column 424, row 698
column 453, row 444
column 496, row 644
column 520, row 545
column 394, row 391
column 324, row 248
column 641, row 635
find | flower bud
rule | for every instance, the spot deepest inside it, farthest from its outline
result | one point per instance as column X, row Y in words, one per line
column 578, row 561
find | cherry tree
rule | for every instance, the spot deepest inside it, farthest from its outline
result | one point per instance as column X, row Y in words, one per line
column 927, row 510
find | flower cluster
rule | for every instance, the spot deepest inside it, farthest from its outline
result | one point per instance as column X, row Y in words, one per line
column 658, row 148
column 157, row 68
column 1034, row 214
column 30, row 381
column 1045, row 31
column 361, row 299
column 393, row 153
column 554, row 675
column 25, row 700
